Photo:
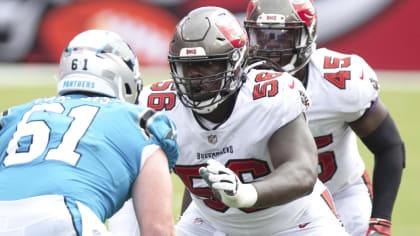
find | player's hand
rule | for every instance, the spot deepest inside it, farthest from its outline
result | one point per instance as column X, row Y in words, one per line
column 379, row 227
column 227, row 187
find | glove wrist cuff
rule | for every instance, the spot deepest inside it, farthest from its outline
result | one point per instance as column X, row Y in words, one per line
column 245, row 197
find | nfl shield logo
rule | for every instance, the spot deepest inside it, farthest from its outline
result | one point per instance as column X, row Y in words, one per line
column 96, row 232
column 212, row 139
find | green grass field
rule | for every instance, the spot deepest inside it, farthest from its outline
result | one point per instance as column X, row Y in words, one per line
column 19, row 85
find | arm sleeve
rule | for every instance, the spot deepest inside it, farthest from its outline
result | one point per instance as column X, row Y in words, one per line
column 387, row 146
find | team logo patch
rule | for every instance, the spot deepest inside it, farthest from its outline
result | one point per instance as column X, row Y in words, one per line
column 212, row 139
column 304, row 99
column 96, row 233
column 374, row 83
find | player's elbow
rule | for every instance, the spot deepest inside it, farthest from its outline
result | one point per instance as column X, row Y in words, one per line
column 303, row 178
column 308, row 173
column 307, row 180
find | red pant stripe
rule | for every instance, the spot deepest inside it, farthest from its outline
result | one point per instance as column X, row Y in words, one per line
column 328, row 199
column 368, row 184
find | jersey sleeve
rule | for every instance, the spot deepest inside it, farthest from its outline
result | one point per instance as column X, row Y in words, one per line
column 160, row 96
column 278, row 98
column 363, row 90
column 348, row 85
column 294, row 100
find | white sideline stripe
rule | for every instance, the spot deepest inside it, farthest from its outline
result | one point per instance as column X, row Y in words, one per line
column 30, row 75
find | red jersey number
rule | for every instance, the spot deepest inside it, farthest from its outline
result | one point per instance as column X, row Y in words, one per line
column 338, row 78
column 256, row 168
column 162, row 97
column 266, row 87
column 326, row 160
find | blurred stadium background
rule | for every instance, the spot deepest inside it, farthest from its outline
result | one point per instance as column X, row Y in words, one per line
column 383, row 32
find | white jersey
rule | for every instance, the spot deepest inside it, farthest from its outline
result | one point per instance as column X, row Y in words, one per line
column 341, row 88
column 266, row 102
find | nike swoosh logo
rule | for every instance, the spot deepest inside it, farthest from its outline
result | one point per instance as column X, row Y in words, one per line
column 301, row 226
column 292, row 85
column 362, row 76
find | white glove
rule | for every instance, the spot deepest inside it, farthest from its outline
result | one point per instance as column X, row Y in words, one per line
column 227, row 187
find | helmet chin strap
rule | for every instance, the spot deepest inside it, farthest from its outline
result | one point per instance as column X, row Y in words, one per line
column 290, row 68
column 206, row 110
column 210, row 108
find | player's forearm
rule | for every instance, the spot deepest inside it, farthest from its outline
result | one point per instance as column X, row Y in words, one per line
column 386, row 181
column 295, row 160
column 385, row 142
column 285, row 184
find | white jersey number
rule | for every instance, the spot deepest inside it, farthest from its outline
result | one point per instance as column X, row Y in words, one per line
column 40, row 133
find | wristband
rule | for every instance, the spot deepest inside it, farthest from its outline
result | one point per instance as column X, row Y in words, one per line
column 379, row 225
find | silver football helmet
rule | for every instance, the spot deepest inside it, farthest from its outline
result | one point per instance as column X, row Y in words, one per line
column 282, row 32
column 208, row 35
column 99, row 61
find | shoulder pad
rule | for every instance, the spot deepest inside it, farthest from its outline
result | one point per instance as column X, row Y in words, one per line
column 160, row 96
column 348, row 83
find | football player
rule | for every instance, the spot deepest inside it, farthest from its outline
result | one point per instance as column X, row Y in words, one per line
column 345, row 103
column 247, row 158
column 69, row 162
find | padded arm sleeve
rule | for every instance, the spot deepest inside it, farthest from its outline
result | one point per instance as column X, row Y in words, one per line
column 386, row 144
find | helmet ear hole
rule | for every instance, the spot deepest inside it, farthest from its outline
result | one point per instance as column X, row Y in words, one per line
column 128, row 89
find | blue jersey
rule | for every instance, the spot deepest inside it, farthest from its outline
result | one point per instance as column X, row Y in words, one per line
column 88, row 149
